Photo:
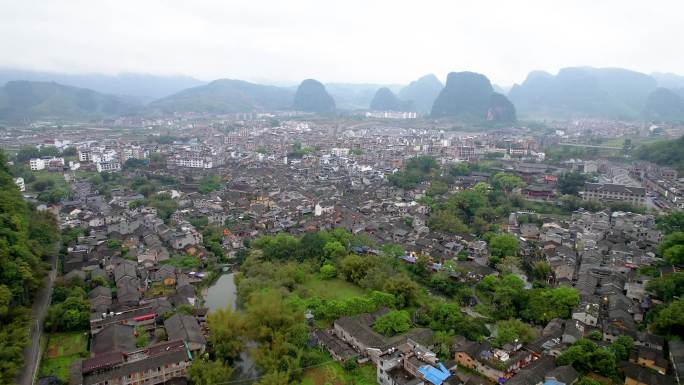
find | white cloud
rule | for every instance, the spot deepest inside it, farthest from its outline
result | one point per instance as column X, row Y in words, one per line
column 350, row 40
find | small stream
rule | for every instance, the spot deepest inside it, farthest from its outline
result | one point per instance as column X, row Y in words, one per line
column 223, row 294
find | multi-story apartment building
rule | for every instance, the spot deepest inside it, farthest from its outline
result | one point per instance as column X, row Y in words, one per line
column 37, row 164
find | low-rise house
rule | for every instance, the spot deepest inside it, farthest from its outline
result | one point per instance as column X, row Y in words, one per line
column 638, row 375
column 649, row 358
column 113, row 338
column 186, row 328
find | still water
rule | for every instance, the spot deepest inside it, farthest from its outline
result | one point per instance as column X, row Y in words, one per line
column 223, row 294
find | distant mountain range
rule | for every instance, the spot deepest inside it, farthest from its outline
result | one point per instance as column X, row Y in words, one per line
column 226, row 96
column 145, row 88
column 576, row 92
column 21, row 100
column 580, row 92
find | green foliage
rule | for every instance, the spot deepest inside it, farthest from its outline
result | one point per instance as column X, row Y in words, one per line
column 436, row 188
column 587, row 381
column 25, row 238
column 447, row 317
column 506, row 182
column 502, row 245
column 672, row 248
column 544, row 305
column 585, row 356
column 622, row 347
column 669, row 321
column 334, row 249
column 210, row 183
column 665, row 152
column 330, row 309
column 133, row 163
column 671, row 223
column 418, row 170
column 541, row 270
column 298, row 151
column 403, row 288
column 164, row 204
column 506, row 294
column 393, row 323
column 143, row 337
column 392, row 250
column 226, row 334
column 355, row 267
column 208, row 372
column 328, row 271
column 71, row 315
column 512, row 330
column 667, row 287
column 571, row 183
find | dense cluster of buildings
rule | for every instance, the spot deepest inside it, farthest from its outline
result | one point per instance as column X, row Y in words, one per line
column 297, row 176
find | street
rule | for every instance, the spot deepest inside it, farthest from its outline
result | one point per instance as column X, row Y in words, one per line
column 40, row 305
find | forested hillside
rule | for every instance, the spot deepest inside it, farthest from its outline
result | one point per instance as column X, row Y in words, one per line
column 26, row 236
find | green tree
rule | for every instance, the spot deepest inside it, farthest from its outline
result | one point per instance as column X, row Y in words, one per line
column 502, row 245
column 403, row 288
column 544, row 305
column 506, row 182
column 667, row 287
column 392, row 323
column 226, row 331
column 622, row 347
column 585, row 356
column 670, row 320
column 328, row 271
column 208, row 372
column 671, row 223
column 672, row 248
column 571, row 183
column 541, row 270
column 334, row 250
column 513, row 330
column 392, row 250
column 354, row 267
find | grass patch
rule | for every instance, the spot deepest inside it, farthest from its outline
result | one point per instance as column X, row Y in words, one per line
column 62, row 350
column 335, row 288
column 334, row 374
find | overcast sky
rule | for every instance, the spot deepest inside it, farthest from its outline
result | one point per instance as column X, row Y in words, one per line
column 393, row 41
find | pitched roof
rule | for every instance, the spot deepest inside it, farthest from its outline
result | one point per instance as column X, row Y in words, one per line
column 113, row 338
column 184, row 327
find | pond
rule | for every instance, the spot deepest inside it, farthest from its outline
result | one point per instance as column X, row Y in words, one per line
column 223, row 294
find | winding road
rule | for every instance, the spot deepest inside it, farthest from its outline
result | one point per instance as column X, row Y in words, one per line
column 28, row 374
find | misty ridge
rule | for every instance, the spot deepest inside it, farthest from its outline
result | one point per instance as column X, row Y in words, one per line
column 574, row 92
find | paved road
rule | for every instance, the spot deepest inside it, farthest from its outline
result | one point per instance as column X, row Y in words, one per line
column 40, row 306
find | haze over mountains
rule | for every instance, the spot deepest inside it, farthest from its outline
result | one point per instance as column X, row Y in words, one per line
column 577, row 92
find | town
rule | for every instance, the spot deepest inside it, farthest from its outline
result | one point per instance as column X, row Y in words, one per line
column 385, row 248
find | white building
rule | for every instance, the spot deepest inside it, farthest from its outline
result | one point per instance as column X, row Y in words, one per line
column 339, row 151
column 37, row 164
column 20, row 183
column 85, row 155
column 108, row 166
